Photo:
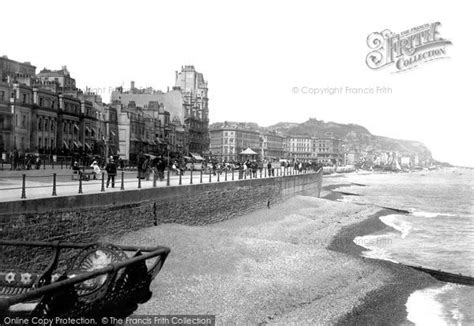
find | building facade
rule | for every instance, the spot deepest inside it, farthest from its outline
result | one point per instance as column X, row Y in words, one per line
column 228, row 140
column 46, row 114
column 329, row 150
column 300, row 148
column 196, row 118
column 187, row 104
column 12, row 71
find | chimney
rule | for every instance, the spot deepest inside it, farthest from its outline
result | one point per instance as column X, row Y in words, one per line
column 132, row 85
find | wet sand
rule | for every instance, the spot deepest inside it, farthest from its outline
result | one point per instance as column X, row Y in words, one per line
column 293, row 263
column 385, row 305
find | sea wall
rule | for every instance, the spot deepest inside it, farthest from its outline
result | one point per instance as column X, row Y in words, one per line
column 90, row 217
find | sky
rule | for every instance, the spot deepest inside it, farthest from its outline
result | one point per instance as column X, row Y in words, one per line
column 261, row 58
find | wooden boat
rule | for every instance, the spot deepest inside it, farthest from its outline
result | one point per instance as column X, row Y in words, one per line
column 81, row 280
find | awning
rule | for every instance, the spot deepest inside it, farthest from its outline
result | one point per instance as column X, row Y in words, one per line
column 88, row 146
column 76, row 127
column 65, row 144
column 134, row 139
column 197, row 156
column 151, row 156
column 80, row 144
column 112, row 132
column 248, row 151
column 75, row 144
column 88, row 129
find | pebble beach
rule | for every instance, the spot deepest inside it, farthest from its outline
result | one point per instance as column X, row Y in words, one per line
column 294, row 263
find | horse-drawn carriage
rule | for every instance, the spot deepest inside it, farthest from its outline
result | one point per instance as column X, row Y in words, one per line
column 80, row 280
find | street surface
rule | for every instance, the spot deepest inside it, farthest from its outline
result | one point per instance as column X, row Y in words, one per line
column 39, row 183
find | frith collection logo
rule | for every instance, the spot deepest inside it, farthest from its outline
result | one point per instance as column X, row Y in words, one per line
column 407, row 49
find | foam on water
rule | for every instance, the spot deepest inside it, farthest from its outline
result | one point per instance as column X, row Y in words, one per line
column 398, row 224
column 429, row 214
column 347, row 199
column 374, row 244
column 424, row 307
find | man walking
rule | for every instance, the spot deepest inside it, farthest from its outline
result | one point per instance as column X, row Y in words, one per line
column 111, row 169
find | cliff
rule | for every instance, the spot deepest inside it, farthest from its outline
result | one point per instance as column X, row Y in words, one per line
column 356, row 137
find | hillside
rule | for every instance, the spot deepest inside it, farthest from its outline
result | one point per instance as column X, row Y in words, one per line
column 356, row 137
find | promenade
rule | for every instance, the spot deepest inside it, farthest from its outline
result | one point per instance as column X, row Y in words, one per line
column 39, row 183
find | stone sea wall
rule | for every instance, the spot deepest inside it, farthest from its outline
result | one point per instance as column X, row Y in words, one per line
column 88, row 218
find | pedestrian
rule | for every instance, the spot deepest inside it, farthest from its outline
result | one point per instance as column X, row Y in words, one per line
column 161, row 169
column 147, row 168
column 254, row 167
column 141, row 166
column 111, row 169
column 214, row 168
column 96, row 168
column 38, row 163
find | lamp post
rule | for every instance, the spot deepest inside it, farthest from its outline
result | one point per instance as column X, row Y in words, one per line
column 262, row 139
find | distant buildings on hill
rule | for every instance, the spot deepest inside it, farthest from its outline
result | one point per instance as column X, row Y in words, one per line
column 230, row 139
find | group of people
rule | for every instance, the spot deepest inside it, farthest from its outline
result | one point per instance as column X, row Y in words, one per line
column 254, row 167
column 22, row 161
column 110, row 167
column 148, row 166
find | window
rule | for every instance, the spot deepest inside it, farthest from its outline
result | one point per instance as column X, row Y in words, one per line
column 2, row 95
column 40, row 124
column 23, row 121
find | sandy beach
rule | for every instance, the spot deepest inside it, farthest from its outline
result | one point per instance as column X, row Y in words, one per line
column 295, row 263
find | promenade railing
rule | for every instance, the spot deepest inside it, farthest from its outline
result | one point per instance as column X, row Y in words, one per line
column 31, row 185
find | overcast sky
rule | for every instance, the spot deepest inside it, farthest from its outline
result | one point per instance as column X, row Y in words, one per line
column 253, row 54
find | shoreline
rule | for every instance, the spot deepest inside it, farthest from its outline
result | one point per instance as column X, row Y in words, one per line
column 274, row 262
column 293, row 263
column 385, row 305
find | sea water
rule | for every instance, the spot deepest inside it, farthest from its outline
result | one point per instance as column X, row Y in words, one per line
column 438, row 233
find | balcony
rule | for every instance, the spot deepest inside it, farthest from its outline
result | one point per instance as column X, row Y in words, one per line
column 6, row 128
